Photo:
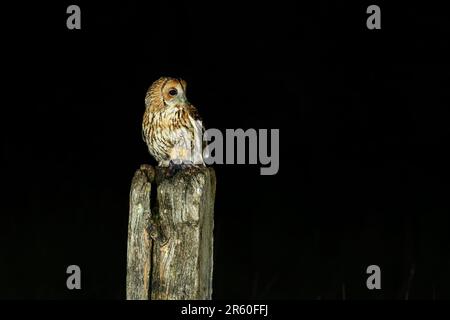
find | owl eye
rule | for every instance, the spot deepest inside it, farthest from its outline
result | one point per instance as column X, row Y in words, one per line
column 173, row 92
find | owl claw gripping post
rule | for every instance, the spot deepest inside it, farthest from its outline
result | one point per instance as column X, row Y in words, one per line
column 172, row 128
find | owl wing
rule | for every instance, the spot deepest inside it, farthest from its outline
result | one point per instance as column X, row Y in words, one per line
column 143, row 135
column 193, row 112
column 198, row 143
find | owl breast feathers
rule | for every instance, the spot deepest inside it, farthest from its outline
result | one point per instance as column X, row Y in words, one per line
column 172, row 128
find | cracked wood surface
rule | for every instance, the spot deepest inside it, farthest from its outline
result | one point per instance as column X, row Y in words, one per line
column 170, row 234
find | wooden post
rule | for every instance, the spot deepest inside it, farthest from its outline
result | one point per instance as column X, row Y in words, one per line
column 139, row 242
column 170, row 238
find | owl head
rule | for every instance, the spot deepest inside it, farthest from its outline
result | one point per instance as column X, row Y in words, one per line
column 166, row 93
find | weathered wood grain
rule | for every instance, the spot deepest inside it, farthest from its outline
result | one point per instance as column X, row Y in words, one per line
column 181, row 227
column 139, row 241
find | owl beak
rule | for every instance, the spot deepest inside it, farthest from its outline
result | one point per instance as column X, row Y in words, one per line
column 183, row 100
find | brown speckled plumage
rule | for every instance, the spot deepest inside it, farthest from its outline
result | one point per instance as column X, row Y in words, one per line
column 172, row 128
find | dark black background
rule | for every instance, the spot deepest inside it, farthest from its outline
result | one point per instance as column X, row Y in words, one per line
column 364, row 127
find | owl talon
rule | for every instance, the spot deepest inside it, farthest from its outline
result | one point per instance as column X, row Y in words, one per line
column 176, row 166
column 173, row 168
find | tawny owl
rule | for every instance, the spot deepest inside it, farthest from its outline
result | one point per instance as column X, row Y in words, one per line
column 172, row 128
